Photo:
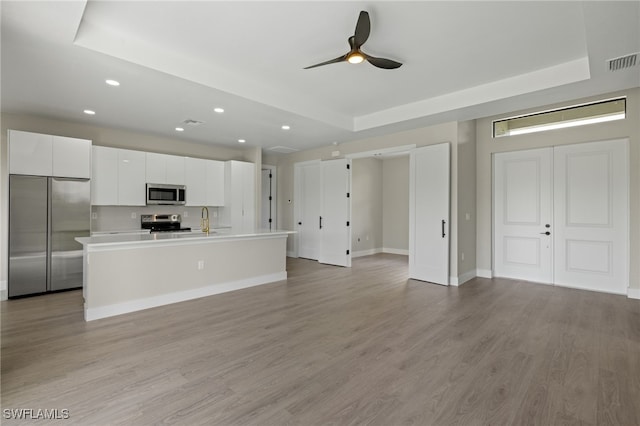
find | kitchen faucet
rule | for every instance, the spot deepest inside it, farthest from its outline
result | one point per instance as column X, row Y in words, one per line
column 204, row 220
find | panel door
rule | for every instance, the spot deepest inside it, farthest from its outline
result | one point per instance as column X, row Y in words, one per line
column 309, row 212
column 591, row 216
column 429, row 197
column 522, row 215
column 335, row 212
column 266, row 199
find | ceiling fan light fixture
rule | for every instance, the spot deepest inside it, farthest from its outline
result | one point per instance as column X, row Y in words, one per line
column 355, row 58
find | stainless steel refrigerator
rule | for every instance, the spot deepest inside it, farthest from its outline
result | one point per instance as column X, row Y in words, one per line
column 45, row 215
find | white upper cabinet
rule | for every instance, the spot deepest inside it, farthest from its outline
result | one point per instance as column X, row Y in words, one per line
column 131, row 178
column 196, row 181
column 71, row 157
column 239, row 208
column 215, row 183
column 30, row 153
column 104, row 176
column 48, row 155
column 163, row 168
column 205, row 182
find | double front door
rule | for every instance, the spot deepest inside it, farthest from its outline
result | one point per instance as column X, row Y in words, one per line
column 561, row 215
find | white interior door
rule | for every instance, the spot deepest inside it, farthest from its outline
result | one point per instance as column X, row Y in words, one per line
column 335, row 216
column 591, row 216
column 308, row 210
column 429, row 197
column 522, row 215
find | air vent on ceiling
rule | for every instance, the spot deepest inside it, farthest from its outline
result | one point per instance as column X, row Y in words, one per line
column 623, row 62
column 283, row 149
column 191, row 122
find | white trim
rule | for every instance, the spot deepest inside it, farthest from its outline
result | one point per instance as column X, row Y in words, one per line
column 369, row 252
column 580, row 287
column 484, row 273
column 3, row 290
column 291, row 253
column 403, row 252
column 633, row 293
column 179, row 296
column 394, row 150
column 463, row 278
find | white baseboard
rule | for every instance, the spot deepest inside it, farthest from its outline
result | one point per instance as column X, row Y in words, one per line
column 461, row 279
column 633, row 293
column 395, row 251
column 484, row 273
column 179, row 296
column 3, row 290
column 369, row 252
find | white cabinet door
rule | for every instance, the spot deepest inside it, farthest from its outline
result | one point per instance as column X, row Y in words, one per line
column 104, row 176
column 429, row 214
column 71, row 157
column 30, row 153
column 174, row 170
column 215, row 183
column 248, row 195
column 308, row 208
column 131, row 178
column 195, row 181
column 335, row 212
column 155, row 168
column 522, row 215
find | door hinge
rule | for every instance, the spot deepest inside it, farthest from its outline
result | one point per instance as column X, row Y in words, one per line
column 269, row 220
column 347, row 223
column 347, row 251
column 348, row 166
column 270, row 198
column 270, row 175
column 347, row 195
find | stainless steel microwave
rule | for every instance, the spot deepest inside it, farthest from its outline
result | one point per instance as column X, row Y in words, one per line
column 166, row 194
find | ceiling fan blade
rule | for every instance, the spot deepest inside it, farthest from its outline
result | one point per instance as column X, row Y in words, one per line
column 386, row 64
column 363, row 27
column 332, row 61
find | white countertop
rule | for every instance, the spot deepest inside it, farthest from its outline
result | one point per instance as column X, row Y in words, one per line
column 112, row 241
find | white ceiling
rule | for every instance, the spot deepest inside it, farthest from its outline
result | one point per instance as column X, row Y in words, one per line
column 178, row 60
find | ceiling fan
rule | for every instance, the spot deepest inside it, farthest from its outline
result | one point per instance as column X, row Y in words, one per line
column 355, row 55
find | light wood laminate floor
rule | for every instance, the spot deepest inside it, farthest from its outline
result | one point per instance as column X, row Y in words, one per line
column 333, row 346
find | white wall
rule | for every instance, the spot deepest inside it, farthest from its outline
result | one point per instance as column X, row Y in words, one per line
column 103, row 136
column 366, row 206
column 487, row 146
column 466, row 238
column 395, row 204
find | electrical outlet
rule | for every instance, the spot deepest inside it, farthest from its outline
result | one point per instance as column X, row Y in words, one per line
column 133, row 215
column 467, row 216
column 200, row 265
column 462, row 256
column 367, row 238
column 94, row 215
column 185, row 214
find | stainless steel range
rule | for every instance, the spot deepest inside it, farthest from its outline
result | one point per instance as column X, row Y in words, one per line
column 162, row 223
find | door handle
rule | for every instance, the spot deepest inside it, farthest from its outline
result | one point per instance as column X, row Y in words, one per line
column 443, row 223
column 320, row 222
column 545, row 233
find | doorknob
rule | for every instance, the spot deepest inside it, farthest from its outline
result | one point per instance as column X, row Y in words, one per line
column 545, row 233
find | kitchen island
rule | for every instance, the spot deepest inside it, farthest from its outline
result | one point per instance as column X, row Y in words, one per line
column 129, row 272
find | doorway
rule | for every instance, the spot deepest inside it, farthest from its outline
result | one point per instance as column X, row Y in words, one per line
column 561, row 215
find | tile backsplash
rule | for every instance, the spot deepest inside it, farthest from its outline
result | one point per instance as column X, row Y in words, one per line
column 117, row 218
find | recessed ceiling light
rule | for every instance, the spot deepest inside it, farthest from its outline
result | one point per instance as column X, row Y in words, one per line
column 241, row 140
column 219, row 110
column 112, row 82
column 89, row 112
column 179, row 129
column 285, row 127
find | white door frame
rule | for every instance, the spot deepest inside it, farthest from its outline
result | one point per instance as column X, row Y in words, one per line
column 274, row 194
